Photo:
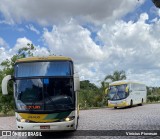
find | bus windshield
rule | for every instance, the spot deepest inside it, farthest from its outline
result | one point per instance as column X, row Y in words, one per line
column 44, row 94
column 34, row 69
column 118, row 92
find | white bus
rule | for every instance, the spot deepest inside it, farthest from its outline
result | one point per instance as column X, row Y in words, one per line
column 126, row 93
column 45, row 93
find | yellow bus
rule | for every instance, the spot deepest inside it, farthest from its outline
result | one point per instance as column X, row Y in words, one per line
column 126, row 93
column 45, row 93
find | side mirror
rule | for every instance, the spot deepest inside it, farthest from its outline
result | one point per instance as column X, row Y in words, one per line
column 76, row 82
column 106, row 91
column 127, row 89
column 5, row 83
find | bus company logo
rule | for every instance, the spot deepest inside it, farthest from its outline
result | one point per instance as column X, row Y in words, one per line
column 33, row 117
column 6, row 133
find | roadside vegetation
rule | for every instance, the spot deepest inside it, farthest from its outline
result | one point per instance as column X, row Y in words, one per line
column 90, row 95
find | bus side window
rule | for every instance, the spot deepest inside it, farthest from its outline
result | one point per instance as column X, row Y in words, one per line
column 134, row 87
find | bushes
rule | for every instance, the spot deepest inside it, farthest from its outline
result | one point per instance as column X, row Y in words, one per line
column 153, row 98
column 90, row 95
column 7, row 68
column 90, row 98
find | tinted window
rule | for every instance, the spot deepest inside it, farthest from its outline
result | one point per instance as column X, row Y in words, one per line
column 44, row 94
column 43, row 69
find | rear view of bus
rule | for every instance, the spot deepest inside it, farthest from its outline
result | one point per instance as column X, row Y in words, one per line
column 45, row 93
column 126, row 93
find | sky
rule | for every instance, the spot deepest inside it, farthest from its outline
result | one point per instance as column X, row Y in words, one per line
column 101, row 36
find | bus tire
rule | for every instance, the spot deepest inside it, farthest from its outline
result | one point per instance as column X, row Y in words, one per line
column 77, row 122
column 76, row 125
column 141, row 103
column 131, row 104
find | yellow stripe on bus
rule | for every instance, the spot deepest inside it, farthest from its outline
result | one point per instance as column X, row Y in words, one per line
column 36, row 117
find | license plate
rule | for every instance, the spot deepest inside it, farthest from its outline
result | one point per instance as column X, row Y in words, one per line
column 45, row 127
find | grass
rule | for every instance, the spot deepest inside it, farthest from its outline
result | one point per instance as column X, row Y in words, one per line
column 154, row 102
column 88, row 108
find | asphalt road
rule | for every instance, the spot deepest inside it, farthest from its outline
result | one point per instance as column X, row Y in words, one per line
column 146, row 117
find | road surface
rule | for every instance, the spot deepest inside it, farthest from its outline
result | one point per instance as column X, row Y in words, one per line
column 146, row 117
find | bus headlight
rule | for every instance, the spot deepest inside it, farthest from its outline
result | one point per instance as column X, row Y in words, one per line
column 22, row 120
column 67, row 119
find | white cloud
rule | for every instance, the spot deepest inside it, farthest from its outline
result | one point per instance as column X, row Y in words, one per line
column 133, row 47
column 6, row 22
column 41, row 51
column 130, row 46
column 20, row 43
column 3, row 43
column 73, row 40
column 3, row 54
column 20, row 29
column 51, row 11
column 3, row 50
column 90, row 71
column 7, row 53
column 32, row 28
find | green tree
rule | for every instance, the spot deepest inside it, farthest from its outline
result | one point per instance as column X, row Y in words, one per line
column 117, row 75
column 103, row 87
column 7, row 102
column 87, row 85
column 90, row 95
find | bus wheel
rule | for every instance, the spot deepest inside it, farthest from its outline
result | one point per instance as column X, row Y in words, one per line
column 76, row 126
column 77, row 122
column 131, row 104
column 141, row 103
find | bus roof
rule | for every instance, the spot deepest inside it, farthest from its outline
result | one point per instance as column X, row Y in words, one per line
column 124, row 82
column 49, row 58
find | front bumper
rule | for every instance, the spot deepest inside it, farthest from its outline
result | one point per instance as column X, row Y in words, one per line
column 113, row 104
column 56, row 126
